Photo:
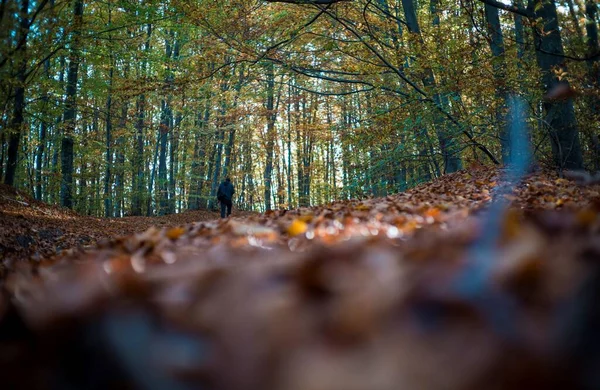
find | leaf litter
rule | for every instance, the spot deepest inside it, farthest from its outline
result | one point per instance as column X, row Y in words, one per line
column 358, row 294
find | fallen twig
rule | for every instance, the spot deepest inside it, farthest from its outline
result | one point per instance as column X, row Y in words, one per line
column 14, row 200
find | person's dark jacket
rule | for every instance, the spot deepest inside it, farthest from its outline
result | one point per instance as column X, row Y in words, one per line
column 226, row 191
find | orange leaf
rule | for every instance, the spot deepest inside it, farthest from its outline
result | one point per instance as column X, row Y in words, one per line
column 297, row 227
column 175, row 233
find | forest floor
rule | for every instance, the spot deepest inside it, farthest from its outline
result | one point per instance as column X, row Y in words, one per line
column 426, row 289
column 30, row 229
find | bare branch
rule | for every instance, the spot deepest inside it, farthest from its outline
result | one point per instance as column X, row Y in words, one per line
column 510, row 7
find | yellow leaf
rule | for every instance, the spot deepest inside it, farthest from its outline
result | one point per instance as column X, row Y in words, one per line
column 297, row 227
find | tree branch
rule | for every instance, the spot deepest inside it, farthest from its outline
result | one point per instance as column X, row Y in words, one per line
column 510, row 7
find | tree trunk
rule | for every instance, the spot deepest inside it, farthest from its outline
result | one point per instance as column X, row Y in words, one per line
column 496, row 41
column 108, row 174
column 591, row 28
column 199, row 161
column 217, row 155
column 289, row 147
column 162, row 159
column 66, row 197
column 153, row 176
column 232, row 124
column 560, row 115
column 119, row 205
column 174, row 168
column 42, row 139
column 138, row 161
column 174, row 142
column 16, row 124
column 451, row 158
column 219, row 141
column 270, row 141
column 574, row 20
column 164, row 130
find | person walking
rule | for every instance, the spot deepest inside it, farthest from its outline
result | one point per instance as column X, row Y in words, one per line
column 225, row 196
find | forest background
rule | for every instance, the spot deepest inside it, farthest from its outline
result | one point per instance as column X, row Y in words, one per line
column 142, row 107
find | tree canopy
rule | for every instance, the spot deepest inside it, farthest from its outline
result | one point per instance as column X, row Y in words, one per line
column 141, row 106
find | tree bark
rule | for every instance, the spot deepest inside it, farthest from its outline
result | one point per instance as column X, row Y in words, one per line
column 119, row 204
column 42, row 138
column 270, row 141
column 108, row 174
column 232, row 123
column 560, row 115
column 450, row 155
column 496, row 41
column 16, row 124
column 164, row 130
column 66, row 196
column 138, row 160
column 199, row 161
column 218, row 147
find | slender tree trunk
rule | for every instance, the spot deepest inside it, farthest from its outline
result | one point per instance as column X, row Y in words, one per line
column 56, row 136
column 84, row 207
column 174, row 169
column 19, row 104
column 138, row 161
column 270, row 141
column 208, row 203
column 151, row 188
column 66, row 197
column 174, row 139
column 217, row 155
column 289, row 147
column 42, row 139
column 138, row 174
column 164, row 130
column 448, row 144
column 496, row 41
column 219, row 141
column 199, row 160
column 39, row 159
column 519, row 38
column 232, row 124
column 162, row 159
column 108, row 212
column 119, row 205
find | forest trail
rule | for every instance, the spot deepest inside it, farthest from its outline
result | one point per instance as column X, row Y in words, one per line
column 299, row 299
column 36, row 230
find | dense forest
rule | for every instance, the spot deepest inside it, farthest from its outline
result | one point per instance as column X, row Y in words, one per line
column 142, row 107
